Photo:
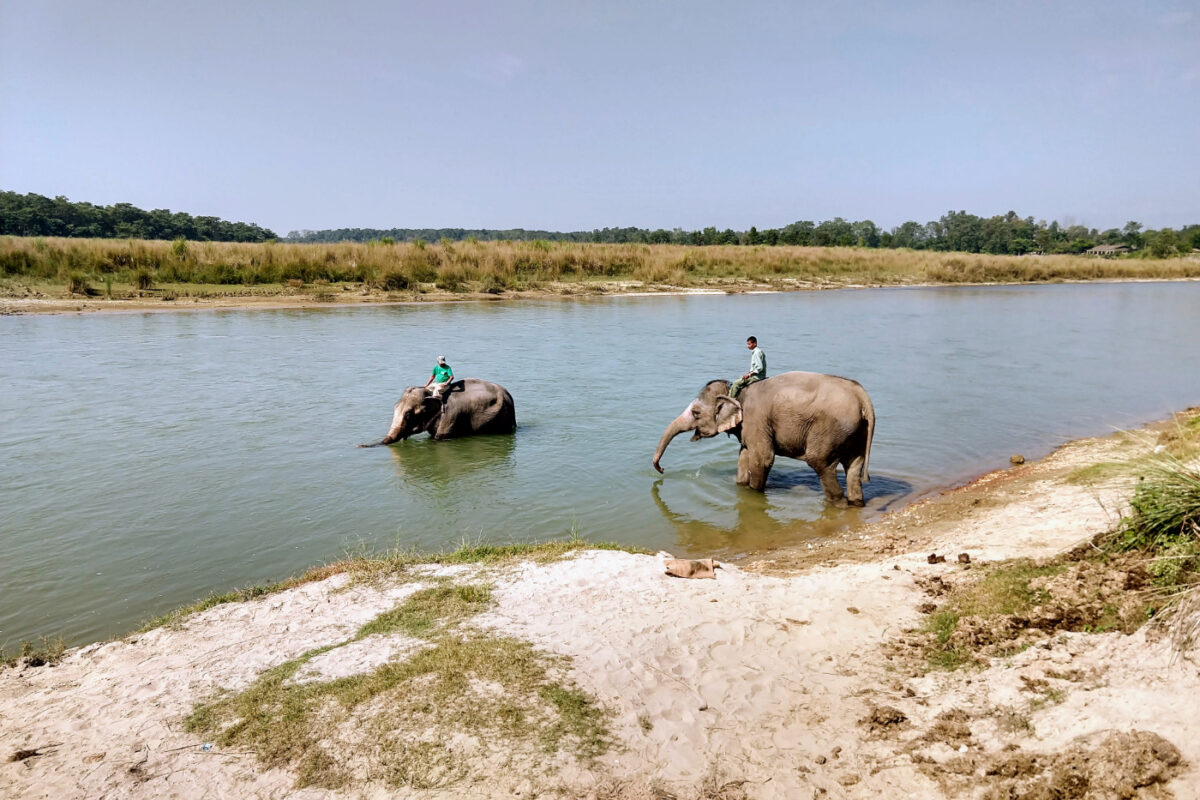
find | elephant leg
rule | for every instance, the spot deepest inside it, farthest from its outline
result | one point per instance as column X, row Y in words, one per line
column 443, row 425
column 754, row 466
column 829, row 482
column 854, row 470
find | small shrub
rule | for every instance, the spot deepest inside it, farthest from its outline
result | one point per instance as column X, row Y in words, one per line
column 77, row 283
column 143, row 279
column 50, row 653
column 179, row 248
column 1165, row 510
column 394, row 281
column 421, row 265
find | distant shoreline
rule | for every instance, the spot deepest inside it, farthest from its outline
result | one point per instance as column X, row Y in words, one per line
column 83, row 275
column 302, row 299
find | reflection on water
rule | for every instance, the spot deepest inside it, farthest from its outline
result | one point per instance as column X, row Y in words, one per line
column 747, row 521
column 423, row 464
column 210, row 458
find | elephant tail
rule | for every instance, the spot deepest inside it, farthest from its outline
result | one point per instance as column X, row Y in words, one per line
column 868, row 412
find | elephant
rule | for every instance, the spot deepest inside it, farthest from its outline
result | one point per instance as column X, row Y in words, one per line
column 472, row 406
column 822, row 420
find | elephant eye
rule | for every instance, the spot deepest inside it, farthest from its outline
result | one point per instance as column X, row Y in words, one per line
column 696, row 413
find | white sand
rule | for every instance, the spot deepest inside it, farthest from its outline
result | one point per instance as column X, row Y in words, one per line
column 749, row 677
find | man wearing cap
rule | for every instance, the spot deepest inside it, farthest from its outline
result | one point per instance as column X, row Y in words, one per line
column 758, row 368
column 440, row 378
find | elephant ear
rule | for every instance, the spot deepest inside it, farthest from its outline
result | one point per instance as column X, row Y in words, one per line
column 729, row 414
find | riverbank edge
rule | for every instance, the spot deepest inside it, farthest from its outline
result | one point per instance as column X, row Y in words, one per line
column 860, row 542
column 867, row 724
column 322, row 298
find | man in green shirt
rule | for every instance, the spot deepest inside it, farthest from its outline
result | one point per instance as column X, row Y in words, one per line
column 758, row 368
column 440, row 378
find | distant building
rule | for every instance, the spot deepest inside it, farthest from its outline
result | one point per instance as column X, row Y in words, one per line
column 1107, row 250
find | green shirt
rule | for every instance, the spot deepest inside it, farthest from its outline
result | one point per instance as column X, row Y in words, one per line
column 758, row 363
column 442, row 373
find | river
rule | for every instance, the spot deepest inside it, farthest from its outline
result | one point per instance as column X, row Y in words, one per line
column 149, row 459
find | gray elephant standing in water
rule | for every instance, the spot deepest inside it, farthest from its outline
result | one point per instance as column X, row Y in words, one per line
column 472, row 406
column 822, row 420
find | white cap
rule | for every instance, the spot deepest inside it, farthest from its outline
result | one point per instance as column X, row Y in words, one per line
column 441, row 359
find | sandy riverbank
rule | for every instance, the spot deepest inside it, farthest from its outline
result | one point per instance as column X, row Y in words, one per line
column 791, row 676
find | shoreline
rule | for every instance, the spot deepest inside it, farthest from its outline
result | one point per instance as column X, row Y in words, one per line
column 15, row 306
column 789, row 676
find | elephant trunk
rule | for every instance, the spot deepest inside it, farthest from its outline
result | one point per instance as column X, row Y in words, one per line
column 684, row 422
column 397, row 429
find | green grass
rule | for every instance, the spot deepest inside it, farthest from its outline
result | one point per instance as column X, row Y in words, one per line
column 1095, row 473
column 398, row 722
column 1005, row 590
column 1165, row 509
column 49, row 653
column 422, row 613
column 397, row 562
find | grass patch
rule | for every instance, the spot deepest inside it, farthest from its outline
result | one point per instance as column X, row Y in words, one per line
column 422, row 614
column 1005, row 591
column 404, row 722
column 1095, row 473
column 49, row 653
column 1165, row 510
column 397, row 562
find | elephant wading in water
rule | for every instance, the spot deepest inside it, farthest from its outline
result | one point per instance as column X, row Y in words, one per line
column 472, row 407
column 822, row 420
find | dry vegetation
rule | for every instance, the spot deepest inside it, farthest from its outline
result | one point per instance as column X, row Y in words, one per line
column 56, row 267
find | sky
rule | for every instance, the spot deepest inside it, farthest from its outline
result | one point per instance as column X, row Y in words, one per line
column 579, row 115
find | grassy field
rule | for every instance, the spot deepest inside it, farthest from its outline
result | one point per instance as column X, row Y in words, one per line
column 122, row 269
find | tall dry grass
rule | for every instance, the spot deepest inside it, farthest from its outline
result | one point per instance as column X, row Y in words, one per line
column 495, row 266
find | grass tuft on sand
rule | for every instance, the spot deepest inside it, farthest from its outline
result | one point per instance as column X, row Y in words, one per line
column 413, row 723
column 49, row 653
column 1004, row 591
column 398, row 562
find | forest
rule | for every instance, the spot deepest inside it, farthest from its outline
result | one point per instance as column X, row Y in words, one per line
column 35, row 215
column 955, row 231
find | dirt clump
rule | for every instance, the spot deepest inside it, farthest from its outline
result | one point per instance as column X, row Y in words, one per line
column 952, row 727
column 882, row 720
column 1122, row 766
column 1008, row 606
column 1092, row 596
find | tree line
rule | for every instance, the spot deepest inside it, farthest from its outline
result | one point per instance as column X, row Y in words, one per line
column 35, row 215
column 1003, row 234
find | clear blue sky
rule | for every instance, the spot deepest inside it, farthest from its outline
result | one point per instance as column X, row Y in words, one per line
column 576, row 115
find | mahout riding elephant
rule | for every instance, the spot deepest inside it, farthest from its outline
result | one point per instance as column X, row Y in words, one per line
column 472, row 406
column 822, row 420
